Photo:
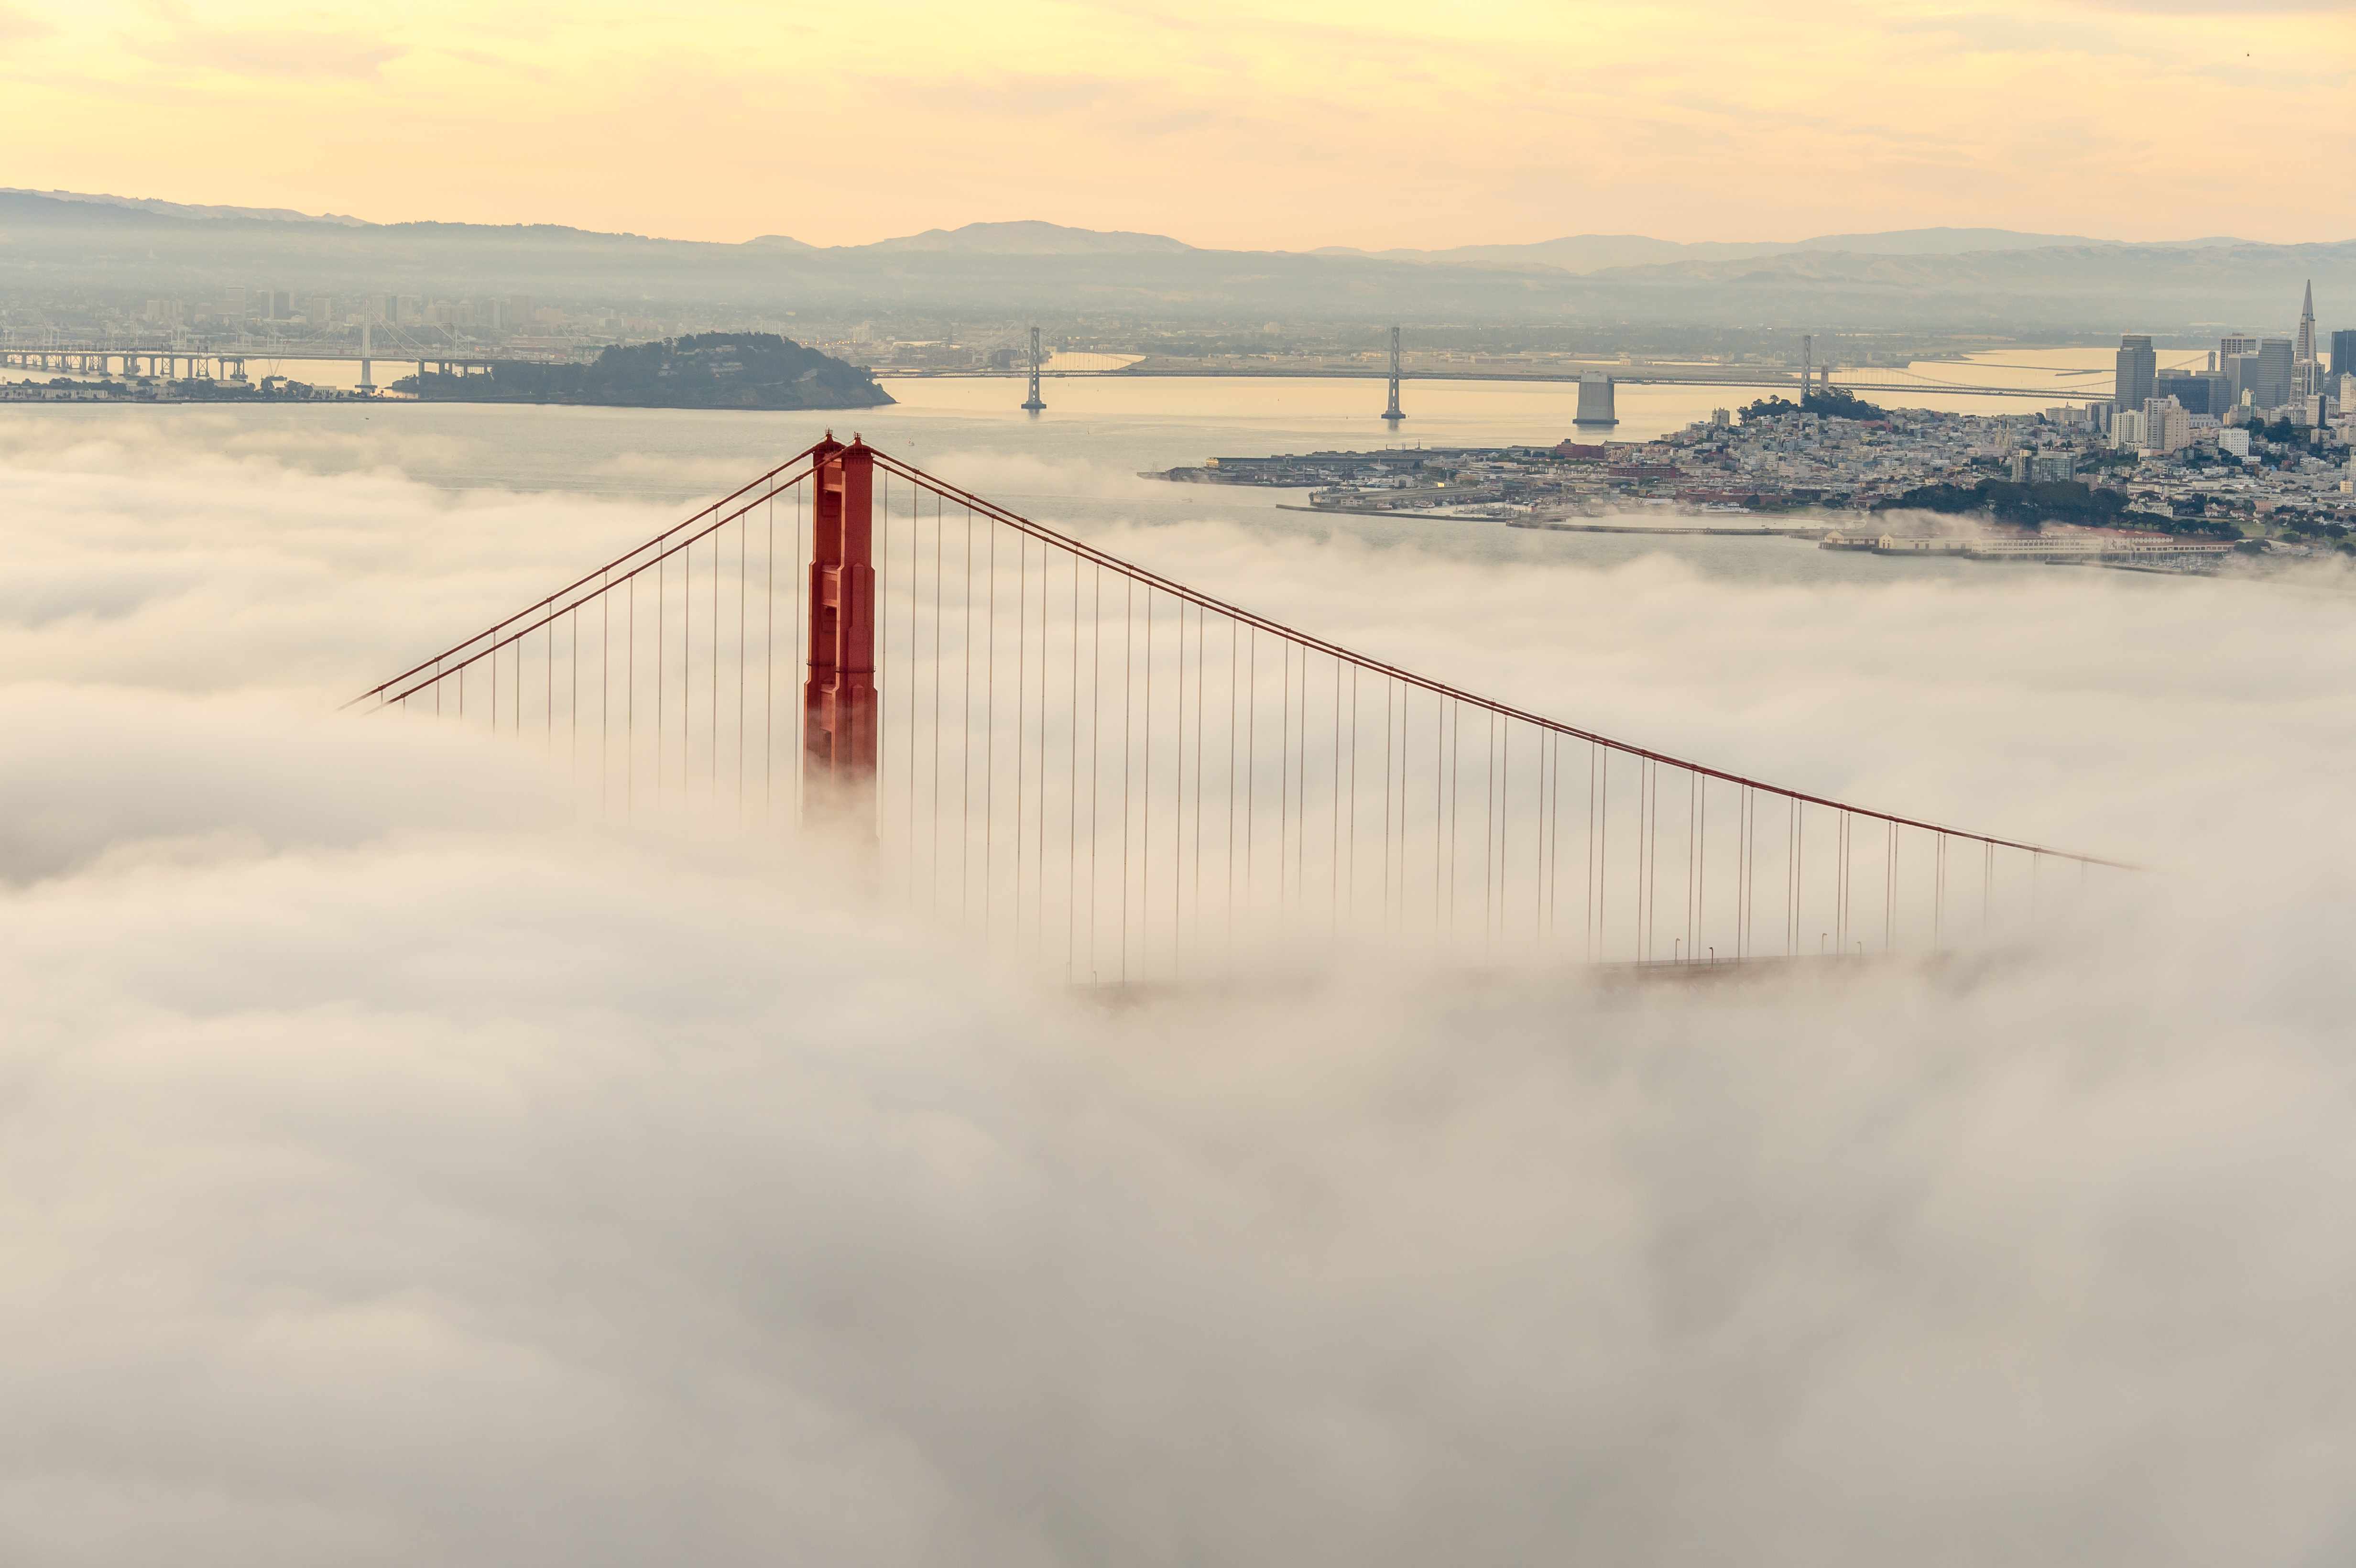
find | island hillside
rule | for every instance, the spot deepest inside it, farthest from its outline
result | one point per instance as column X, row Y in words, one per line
column 708, row 370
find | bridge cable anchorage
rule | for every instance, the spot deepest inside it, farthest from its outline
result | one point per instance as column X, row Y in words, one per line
column 868, row 601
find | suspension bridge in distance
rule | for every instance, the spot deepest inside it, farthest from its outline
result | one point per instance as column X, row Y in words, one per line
column 1792, row 381
column 1083, row 765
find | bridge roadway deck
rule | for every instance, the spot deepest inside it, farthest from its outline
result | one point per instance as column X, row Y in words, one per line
column 1783, row 382
column 11, row 355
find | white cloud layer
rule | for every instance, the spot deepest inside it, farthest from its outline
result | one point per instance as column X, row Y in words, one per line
column 396, row 1168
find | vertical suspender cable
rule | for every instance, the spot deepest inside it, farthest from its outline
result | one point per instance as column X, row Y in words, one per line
column 1439, row 755
column 1251, row 764
column 1352, row 881
column 630, row 704
column 1388, row 684
column 769, row 655
column 1594, row 869
column 1072, row 791
column 1234, row 667
column 743, row 608
column 990, row 730
column 686, row 662
column 1493, row 827
column 1334, row 838
column 1039, row 921
column 1201, row 674
column 1455, row 799
column 964, row 728
column 1145, row 827
column 940, row 614
column 1095, row 730
column 1021, row 698
column 1284, row 781
column 1128, row 690
column 800, row 743
column 714, row 767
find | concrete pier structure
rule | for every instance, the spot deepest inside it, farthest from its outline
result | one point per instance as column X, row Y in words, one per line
column 1595, row 400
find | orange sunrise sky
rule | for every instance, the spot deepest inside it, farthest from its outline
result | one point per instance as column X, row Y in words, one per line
column 1271, row 126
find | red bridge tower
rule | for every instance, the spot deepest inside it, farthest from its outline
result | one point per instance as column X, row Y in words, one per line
column 838, row 704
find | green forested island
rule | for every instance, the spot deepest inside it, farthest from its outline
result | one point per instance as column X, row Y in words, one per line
column 708, row 370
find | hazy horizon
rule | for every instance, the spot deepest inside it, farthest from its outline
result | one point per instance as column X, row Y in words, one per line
column 1381, row 127
column 176, row 207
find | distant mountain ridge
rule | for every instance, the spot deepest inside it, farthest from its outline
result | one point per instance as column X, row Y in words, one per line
column 1588, row 253
column 1975, row 282
column 179, row 210
column 1032, row 237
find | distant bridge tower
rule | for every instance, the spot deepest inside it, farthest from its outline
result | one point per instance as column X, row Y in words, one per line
column 1394, row 413
column 1595, row 400
column 1034, row 403
column 839, row 702
column 1807, row 365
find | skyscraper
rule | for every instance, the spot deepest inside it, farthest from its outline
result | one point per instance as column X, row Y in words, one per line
column 2343, row 353
column 2138, row 366
column 2276, row 364
column 2264, row 374
column 2307, row 375
column 2201, row 392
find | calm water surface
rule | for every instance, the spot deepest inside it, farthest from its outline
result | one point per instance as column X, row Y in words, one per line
column 1075, row 466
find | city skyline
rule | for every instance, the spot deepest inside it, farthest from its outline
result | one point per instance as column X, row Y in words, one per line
column 1262, row 129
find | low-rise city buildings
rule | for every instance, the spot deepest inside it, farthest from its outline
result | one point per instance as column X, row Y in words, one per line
column 2179, row 487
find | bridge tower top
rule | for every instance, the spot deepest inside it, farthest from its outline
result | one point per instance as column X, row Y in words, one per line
column 838, row 699
column 1393, row 412
column 1034, row 403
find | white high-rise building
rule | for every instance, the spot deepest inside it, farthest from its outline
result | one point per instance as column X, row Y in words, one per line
column 2167, row 425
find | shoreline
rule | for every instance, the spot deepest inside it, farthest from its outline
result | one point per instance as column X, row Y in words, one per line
column 333, row 396
column 1811, row 530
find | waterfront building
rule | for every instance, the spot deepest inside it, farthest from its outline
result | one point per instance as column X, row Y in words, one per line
column 2136, row 365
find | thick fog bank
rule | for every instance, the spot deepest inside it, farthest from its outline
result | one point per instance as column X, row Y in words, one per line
column 400, row 1162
